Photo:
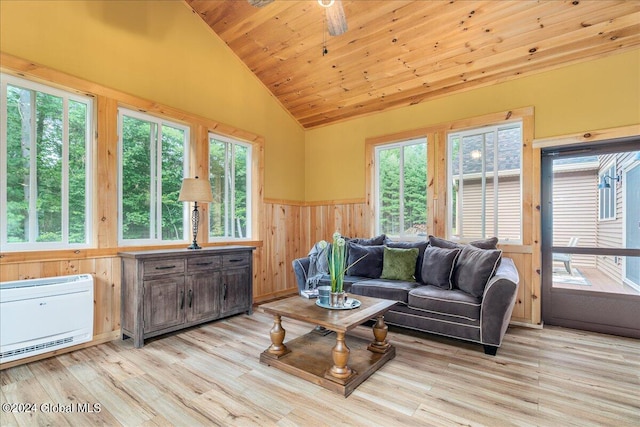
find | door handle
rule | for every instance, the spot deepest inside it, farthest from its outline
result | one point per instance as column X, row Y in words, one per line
column 224, row 291
column 181, row 300
column 190, row 297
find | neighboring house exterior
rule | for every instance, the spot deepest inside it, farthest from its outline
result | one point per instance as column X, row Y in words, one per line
column 596, row 216
column 618, row 224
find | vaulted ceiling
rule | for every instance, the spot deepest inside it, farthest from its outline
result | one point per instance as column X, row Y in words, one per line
column 398, row 53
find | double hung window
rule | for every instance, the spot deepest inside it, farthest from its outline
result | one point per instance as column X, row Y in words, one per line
column 401, row 188
column 45, row 166
column 230, row 176
column 485, row 183
column 153, row 161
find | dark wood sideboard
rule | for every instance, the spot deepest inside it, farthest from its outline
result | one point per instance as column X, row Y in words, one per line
column 167, row 290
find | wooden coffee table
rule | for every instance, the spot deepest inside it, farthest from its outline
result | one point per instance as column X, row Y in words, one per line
column 325, row 359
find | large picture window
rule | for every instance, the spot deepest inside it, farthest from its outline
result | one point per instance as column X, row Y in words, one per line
column 45, row 151
column 230, row 176
column 485, row 183
column 153, row 162
column 401, row 188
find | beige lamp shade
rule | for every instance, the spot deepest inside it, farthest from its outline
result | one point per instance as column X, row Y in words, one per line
column 195, row 190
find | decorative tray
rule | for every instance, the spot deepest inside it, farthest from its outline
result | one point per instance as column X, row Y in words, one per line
column 350, row 304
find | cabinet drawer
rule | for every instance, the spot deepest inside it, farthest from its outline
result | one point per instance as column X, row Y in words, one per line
column 204, row 263
column 235, row 260
column 163, row 266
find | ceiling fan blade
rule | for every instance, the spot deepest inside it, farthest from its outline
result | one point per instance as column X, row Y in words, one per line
column 336, row 20
column 259, row 3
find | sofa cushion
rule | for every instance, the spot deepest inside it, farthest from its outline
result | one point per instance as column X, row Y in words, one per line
column 489, row 243
column 422, row 245
column 395, row 290
column 399, row 264
column 474, row 268
column 374, row 241
column 454, row 302
column 438, row 265
column 370, row 266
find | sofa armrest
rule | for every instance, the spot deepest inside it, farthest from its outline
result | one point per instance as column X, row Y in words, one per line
column 301, row 269
column 497, row 303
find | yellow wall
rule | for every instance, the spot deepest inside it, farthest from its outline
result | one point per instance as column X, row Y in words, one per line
column 599, row 94
column 163, row 52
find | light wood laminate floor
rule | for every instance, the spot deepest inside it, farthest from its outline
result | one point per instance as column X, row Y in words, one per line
column 211, row 375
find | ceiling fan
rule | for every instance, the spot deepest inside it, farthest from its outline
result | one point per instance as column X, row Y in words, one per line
column 336, row 19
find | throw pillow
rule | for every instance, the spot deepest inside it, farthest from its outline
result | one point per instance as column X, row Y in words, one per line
column 474, row 268
column 374, row 241
column 438, row 265
column 370, row 266
column 399, row 264
column 489, row 243
column 408, row 245
column 442, row 243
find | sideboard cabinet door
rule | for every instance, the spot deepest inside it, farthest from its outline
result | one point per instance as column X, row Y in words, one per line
column 234, row 291
column 203, row 296
column 164, row 301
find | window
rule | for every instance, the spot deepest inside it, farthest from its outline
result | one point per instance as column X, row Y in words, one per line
column 485, row 183
column 45, row 150
column 230, row 176
column 607, row 193
column 401, row 188
column 153, row 162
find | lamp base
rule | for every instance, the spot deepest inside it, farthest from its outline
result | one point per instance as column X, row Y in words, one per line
column 194, row 245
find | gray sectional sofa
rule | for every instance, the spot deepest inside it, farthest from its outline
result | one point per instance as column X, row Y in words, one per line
column 442, row 287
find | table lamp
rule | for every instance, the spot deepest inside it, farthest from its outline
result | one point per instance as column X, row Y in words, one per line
column 195, row 190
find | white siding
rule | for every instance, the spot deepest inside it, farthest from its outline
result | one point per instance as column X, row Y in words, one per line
column 609, row 233
column 575, row 211
column 509, row 224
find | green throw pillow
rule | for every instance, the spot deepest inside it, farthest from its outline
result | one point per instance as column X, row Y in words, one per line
column 399, row 264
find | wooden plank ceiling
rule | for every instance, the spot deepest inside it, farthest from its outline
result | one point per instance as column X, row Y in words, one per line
column 398, row 53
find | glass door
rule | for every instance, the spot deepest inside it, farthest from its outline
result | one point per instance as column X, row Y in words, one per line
column 591, row 237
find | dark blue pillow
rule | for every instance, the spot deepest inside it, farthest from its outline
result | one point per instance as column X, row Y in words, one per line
column 374, row 241
column 370, row 266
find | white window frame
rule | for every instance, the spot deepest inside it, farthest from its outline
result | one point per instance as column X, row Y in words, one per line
column 155, row 225
column 66, row 96
column 611, row 193
column 378, row 207
column 495, row 174
column 230, row 226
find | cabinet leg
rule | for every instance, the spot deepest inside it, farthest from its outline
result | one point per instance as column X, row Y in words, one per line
column 277, row 334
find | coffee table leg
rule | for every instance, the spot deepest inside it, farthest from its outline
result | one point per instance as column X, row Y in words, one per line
column 340, row 355
column 380, row 343
column 277, row 348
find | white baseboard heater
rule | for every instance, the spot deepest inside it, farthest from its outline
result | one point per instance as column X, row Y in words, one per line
column 42, row 315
